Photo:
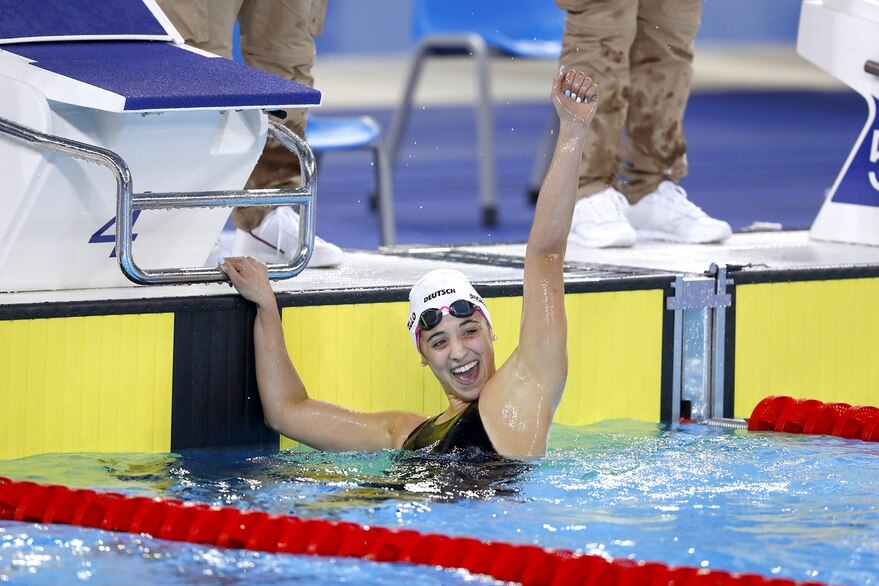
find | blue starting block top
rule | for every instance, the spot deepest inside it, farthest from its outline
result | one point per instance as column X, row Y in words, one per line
column 155, row 75
column 127, row 48
column 36, row 20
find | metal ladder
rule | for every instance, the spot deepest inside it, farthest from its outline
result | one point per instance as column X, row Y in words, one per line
column 128, row 202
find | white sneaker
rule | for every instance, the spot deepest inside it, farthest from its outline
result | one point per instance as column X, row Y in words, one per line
column 667, row 214
column 600, row 221
column 275, row 240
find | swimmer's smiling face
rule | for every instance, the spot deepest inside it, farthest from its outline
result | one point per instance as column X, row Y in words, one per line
column 460, row 353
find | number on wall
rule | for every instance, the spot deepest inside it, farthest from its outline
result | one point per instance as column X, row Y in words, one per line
column 101, row 236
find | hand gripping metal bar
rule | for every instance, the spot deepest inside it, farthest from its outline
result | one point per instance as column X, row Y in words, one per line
column 127, row 202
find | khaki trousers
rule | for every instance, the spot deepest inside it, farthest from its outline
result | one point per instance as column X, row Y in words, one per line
column 641, row 54
column 277, row 36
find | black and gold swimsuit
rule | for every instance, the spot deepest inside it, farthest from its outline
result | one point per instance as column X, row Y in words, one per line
column 461, row 432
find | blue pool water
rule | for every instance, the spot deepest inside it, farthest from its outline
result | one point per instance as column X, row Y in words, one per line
column 801, row 507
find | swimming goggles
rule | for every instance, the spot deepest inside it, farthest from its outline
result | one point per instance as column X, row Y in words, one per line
column 432, row 316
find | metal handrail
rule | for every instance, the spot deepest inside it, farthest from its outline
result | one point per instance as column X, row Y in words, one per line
column 127, row 202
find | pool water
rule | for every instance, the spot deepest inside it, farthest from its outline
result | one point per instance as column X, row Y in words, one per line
column 800, row 507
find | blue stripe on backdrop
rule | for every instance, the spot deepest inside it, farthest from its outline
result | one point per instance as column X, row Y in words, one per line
column 754, row 156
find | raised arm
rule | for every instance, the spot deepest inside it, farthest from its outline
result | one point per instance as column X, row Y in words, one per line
column 518, row 403
column 543, row 334
column 286, row 405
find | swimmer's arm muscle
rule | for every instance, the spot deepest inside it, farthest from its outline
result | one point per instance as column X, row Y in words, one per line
column 287, row 408
column 543, row 333
column 325, row 426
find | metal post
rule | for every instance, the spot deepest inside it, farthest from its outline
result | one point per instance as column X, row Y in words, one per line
column 701, row 293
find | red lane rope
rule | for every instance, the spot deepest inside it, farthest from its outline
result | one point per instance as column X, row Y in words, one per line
column 232, row 528
column 810, row 416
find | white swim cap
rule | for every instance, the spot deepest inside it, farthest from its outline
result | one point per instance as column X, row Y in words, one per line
column 438, row 289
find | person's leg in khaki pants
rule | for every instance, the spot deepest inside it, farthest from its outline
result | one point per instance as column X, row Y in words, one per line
column 660, row 72
column 277, row 36
column 640, row 52
column 597, row 40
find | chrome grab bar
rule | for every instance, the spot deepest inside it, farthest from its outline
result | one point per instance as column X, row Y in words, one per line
column 127, row 202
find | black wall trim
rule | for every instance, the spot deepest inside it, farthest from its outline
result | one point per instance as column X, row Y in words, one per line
column 729, row 359
column 667, row 370
column 487, row 290
column 750, row 277
column 120, row 307
column 215, row 399
column 232, row 302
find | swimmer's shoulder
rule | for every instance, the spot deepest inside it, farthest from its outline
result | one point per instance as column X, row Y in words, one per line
column 515, row 413
column 405, row 426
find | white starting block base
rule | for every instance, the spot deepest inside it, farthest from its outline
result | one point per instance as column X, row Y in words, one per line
column 105, row 112
column 841, row 36
column 59, row 220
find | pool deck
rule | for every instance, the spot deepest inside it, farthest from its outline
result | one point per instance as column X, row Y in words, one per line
column 398, row 267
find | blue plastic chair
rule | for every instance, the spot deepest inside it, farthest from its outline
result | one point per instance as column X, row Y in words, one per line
column 529, row 29
column 343, row 133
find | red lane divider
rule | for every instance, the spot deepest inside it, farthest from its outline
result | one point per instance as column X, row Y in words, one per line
column 259, row 531
column 810, row 416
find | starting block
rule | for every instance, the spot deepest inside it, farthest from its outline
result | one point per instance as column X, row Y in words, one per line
column 842, row 37
column 112, row 83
